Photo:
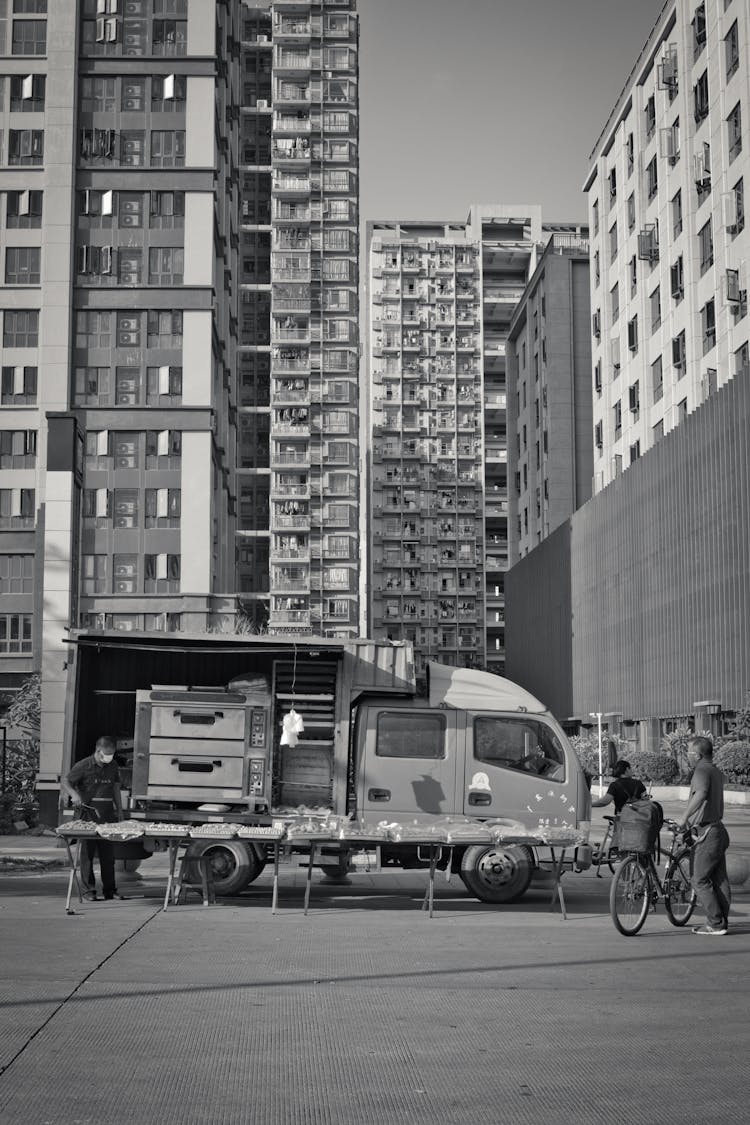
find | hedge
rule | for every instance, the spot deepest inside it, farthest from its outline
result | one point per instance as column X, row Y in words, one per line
column 733, row 759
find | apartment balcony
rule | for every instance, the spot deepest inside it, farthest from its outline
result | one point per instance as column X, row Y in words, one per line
column 291, row 95
column 503, row 295
column 467, row 344
column 496, row 562
column 283, row 394
column 294, row 124
column 280, row 491
column 495, row 456
column 289, row 361
column 496, row 400
column 411, row 343
column 290, row 429
column 290, row 212
column 299, row 617
column 283, row 583
column 299, row 522
column 287, row 61
column 280, row 553
column 280, row 334
column 283, row 457
column 291, row 185
column 466, row 293
column 494, row 348
column 291, row 29
column 298, row 157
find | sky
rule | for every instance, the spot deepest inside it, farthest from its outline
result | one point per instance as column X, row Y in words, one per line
column 485, row 101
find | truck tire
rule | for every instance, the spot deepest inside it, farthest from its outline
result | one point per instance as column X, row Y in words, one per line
column 234, row 864
column 496, row 873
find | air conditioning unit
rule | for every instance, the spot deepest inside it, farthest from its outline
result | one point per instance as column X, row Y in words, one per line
column 262, row 103
column 129, row 398
column 125, row 586
column 125, row 521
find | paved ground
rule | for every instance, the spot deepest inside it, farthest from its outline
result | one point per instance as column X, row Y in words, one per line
column 365, row 1011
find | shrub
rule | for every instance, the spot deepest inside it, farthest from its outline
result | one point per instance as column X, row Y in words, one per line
column 676, row 742
column 653, row 765
column 733, row 759
column 586, row 747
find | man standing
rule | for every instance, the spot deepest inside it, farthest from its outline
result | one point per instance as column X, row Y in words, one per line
column 704, row 813
column 95, row 783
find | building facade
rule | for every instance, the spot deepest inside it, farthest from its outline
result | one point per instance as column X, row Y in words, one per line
column 179, row 347
column 440, row 299
column 298, row 469
column 669, row 244
column 549, row 395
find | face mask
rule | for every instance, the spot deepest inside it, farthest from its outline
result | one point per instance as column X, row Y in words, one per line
column 105, row 759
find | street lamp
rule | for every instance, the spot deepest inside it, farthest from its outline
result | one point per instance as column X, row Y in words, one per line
column 598, row 716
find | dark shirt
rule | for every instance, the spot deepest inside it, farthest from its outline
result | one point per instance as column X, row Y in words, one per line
column 709, row 782
column 624, row 789
column 95, row 784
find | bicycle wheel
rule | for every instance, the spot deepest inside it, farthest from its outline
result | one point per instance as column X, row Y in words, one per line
column 679, row 895
column 629, row 896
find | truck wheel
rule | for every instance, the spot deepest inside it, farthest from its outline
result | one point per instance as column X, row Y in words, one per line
column 234, row 864
column 496, row 873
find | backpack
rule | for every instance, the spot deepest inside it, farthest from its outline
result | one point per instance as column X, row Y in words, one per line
column 638, row 825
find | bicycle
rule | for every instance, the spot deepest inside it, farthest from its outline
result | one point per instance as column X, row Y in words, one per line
column 637, row 886
column 604, row 852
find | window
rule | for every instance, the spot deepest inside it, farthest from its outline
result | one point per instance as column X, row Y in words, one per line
column 27, row 93
column 598, row 436
column 657, row 380
column 402, row 734
column 705, row 247
column 91, row 386
column 682, row 410
column 22, row 265
column 21, row 328
column 163, row 507
column 652, row 181
column 595, row 216
column 29, row 37
column 25, row 146
column 17, row 449
column 613, row 242
column 525, row 745
column 15, row 632
column 677, row 280
column 93, row 329
column 23, row 210
column 165, row 265
column 658, row 431
column 167, row 209
column 634, row 397
column 16, row 574
column 167, row 148
column 633, row 270
column 19, row 386
column 700, row 98
column 676, row 204
column 629, row 153
column 30, row 7
column 732, row 50
column 631, row 212
column 598, row 377
column 161, row 574
column 633, row 334
column 650, row 112
column 163, row 386
column 614, row 298
column 97, row 507
column 617, row 413
column 17, row 508
column 612, row 186
column 708, row 325
column 167, row 93
column 94, row 574
column 164, row 329
column 169, row 36
column 734, row 130
column 699, row 30
column 163, row 449
column 98, row 95
column 635, row 452
column 742, row 360
column 655, row 308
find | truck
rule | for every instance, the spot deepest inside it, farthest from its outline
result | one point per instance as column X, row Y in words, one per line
column 254, row 730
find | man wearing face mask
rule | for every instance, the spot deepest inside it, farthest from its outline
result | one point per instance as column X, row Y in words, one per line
column 94, row 783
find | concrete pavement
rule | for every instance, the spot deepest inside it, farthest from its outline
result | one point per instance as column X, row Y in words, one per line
column 365, row 1011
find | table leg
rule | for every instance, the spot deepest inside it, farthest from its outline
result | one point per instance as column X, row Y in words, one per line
column 74, row 861
column 275, row 895
column 557, row 870
column 309, row 876
column 173, row 846
column 434, row 850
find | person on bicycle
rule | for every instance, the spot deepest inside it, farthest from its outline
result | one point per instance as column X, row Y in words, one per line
column 624, row 788
column 704, row 812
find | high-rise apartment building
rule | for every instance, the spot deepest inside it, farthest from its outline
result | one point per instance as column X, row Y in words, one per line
column 298, row 475
column 179, row 341
column 669, row 245
column 440, row 297
column 549, row 395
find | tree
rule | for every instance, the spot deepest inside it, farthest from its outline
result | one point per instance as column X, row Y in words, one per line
column 24, row 708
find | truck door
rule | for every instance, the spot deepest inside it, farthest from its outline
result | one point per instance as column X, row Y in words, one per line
column 514, row 768
column 407, row 763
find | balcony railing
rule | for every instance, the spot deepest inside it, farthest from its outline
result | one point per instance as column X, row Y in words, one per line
column 290, row 616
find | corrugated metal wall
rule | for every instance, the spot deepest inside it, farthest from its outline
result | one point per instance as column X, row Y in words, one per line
column 538, row 642
column 658, row 580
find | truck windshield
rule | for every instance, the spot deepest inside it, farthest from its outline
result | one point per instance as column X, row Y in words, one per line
column 522, row 744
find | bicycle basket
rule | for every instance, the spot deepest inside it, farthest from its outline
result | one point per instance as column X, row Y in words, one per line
column 637, row 827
